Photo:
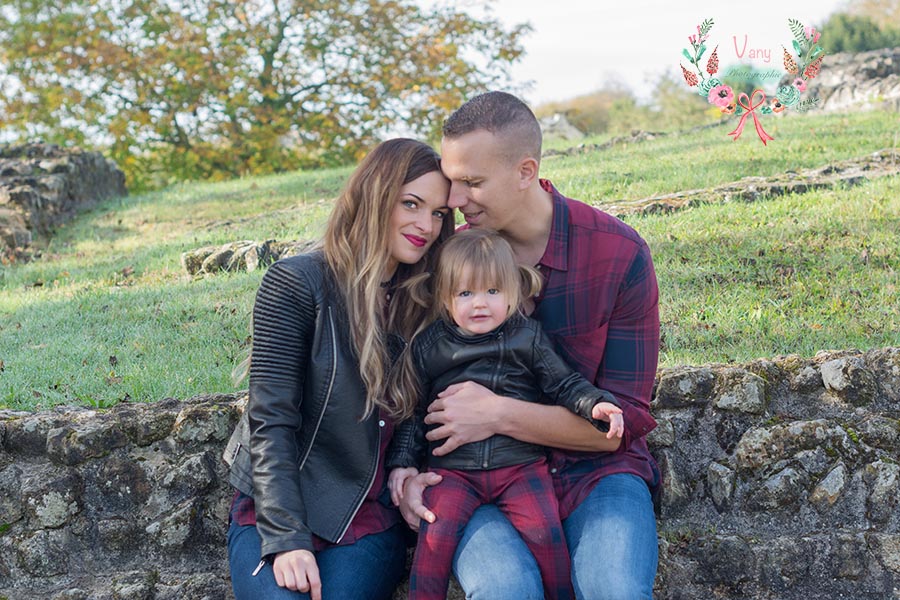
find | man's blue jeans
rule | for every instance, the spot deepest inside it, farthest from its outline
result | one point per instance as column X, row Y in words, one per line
column 612, row 541
column 370, row 569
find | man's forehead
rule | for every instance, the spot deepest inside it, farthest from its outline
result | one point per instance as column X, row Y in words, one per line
column 467, row 155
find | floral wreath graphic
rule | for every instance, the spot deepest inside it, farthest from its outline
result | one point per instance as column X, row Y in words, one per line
column 804, row 67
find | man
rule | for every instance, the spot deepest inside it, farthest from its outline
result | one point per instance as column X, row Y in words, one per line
column 600, row 305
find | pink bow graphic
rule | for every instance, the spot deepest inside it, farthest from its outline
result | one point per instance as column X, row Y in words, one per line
column 750, row 107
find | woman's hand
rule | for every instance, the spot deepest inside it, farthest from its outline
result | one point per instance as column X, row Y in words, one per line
column 396, row 481
column 297, row 570
column 411, row 505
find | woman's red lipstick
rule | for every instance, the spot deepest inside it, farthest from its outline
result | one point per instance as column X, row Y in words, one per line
column 415, row 240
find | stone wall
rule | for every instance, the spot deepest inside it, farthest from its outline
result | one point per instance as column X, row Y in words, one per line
column 858, row 81
column 42, row 184
column 782, row 482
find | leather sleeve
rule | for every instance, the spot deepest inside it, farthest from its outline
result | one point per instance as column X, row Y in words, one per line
column 563, row 384
column 283, row 324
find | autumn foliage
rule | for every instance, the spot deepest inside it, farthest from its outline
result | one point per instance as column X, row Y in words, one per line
column 211, row 89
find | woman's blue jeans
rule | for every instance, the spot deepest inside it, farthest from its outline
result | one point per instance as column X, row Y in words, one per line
column 369, row 569
column 612, row 541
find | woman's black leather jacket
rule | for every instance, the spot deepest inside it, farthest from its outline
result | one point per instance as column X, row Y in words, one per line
column 302, row 451
column 516, row 360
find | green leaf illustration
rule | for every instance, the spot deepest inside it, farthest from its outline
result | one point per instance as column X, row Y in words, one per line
column 797, row 48
column 816, row 52
column 797, row 29
column 702, row 50
column 687, row 54
column 706, row 26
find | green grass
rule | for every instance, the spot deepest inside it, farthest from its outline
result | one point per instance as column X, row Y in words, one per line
column 107, row 313
column 795, row 274
column 710, row 157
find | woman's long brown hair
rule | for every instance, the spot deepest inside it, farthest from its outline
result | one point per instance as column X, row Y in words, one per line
column 357, row 248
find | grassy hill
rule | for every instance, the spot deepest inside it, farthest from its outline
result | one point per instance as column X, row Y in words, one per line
column 107, row 313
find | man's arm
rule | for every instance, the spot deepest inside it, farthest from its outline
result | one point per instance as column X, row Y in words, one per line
column 468, row 412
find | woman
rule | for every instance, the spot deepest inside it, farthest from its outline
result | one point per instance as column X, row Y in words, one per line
column 308, row 467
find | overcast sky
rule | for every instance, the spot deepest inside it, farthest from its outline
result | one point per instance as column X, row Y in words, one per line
column 579, row 45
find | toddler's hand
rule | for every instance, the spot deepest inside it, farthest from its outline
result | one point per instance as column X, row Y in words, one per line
column 605, row 411
column 397, row 479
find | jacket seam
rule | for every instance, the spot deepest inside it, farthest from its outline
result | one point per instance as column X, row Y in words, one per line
column 312, row 439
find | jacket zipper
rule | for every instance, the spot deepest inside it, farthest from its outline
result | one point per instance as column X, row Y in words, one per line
column 368, row 489
column 262, row 562
column 488, row 446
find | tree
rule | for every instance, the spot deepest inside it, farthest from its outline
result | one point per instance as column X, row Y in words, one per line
column 589, row 113
column 851, row 33
column 885, row 12
column 217, row 88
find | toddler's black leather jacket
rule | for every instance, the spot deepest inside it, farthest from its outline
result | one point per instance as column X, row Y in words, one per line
column 516, row 360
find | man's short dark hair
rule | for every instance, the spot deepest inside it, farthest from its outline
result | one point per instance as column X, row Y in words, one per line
column 503, row 115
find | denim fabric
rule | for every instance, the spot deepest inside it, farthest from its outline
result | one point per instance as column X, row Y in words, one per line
column 368, row 569
column 611, row 537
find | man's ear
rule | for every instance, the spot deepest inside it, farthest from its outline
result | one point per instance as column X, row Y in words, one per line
column 528, row 172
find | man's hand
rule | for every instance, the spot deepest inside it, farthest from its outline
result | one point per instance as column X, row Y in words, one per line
column 411, row 506
column 465, row 412
column 297, row 570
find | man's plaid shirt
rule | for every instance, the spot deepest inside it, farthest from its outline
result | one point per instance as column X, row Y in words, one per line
column 600, row 304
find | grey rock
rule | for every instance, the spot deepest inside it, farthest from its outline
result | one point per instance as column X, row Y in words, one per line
column 45, row 553
column 726, row 560
column 677, row 490
column 203, row 423
column 175, row 530
column 849, row 558
column 51, row 497
column 848, row 379
column 123, row 486
column 887, row 548
column 815, row 461
column 884, row 481
column 881, row 432
column 827, row 492
column 742, row 391
column 684, row 387
column 766, row 445
column 787, row 487
column 663, row 436
column 807, row 379
column 27, row 436
column 42, row 185
column 858, row 81
column 72, row 594
column 194, row 475
column 720, row 484
column 73, row 445
column 11, row 508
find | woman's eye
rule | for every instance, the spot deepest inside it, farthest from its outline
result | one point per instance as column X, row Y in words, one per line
column 409, row 204
column 439, row 215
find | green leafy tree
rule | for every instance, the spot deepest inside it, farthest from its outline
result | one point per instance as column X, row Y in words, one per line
column 857, row 33
column 884, row 12
column 589, row 113
column 199, row 89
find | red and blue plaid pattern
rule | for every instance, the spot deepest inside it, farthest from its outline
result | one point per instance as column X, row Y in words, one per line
column 600, row 305
column 524, row 493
